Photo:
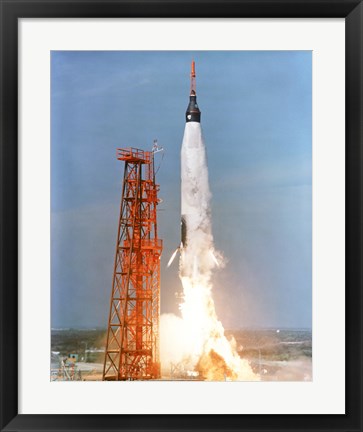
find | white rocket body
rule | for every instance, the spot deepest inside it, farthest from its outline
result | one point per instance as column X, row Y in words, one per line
column 197, row 240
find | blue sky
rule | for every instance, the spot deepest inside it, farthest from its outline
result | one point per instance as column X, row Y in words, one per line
column 257, row 123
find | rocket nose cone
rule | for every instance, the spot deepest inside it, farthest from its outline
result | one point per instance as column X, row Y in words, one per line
column 193, row 113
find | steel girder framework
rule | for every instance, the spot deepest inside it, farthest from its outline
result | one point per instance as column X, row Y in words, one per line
column 132, row 347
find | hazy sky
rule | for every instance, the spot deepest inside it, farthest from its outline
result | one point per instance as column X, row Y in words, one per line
column 256, row 119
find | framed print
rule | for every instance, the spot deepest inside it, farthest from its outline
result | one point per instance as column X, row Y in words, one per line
column 220, row 144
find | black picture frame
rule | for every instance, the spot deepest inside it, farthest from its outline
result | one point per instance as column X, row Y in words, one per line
column 11, row 11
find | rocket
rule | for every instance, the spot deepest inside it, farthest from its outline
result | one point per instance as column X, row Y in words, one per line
column 192, row 115
column 194, row 179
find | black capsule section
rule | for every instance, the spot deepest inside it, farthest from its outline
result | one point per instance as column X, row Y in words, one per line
column 193, row 113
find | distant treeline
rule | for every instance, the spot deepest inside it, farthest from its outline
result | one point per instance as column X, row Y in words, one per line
column 281, row 345
column 81, row 342
column 270, row 344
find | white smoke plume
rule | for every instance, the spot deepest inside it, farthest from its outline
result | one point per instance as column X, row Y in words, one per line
column 198, row 339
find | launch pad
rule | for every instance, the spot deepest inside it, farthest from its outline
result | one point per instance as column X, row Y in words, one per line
column 132, row 348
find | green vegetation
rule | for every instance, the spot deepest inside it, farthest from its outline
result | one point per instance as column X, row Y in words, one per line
column 85, row 343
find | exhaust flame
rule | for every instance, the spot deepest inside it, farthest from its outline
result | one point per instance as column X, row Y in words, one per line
column 201, row 339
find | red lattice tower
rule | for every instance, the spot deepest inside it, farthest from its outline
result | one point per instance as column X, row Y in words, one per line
column 132, row 348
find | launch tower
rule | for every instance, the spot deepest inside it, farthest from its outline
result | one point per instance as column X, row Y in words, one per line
column 132, row 347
